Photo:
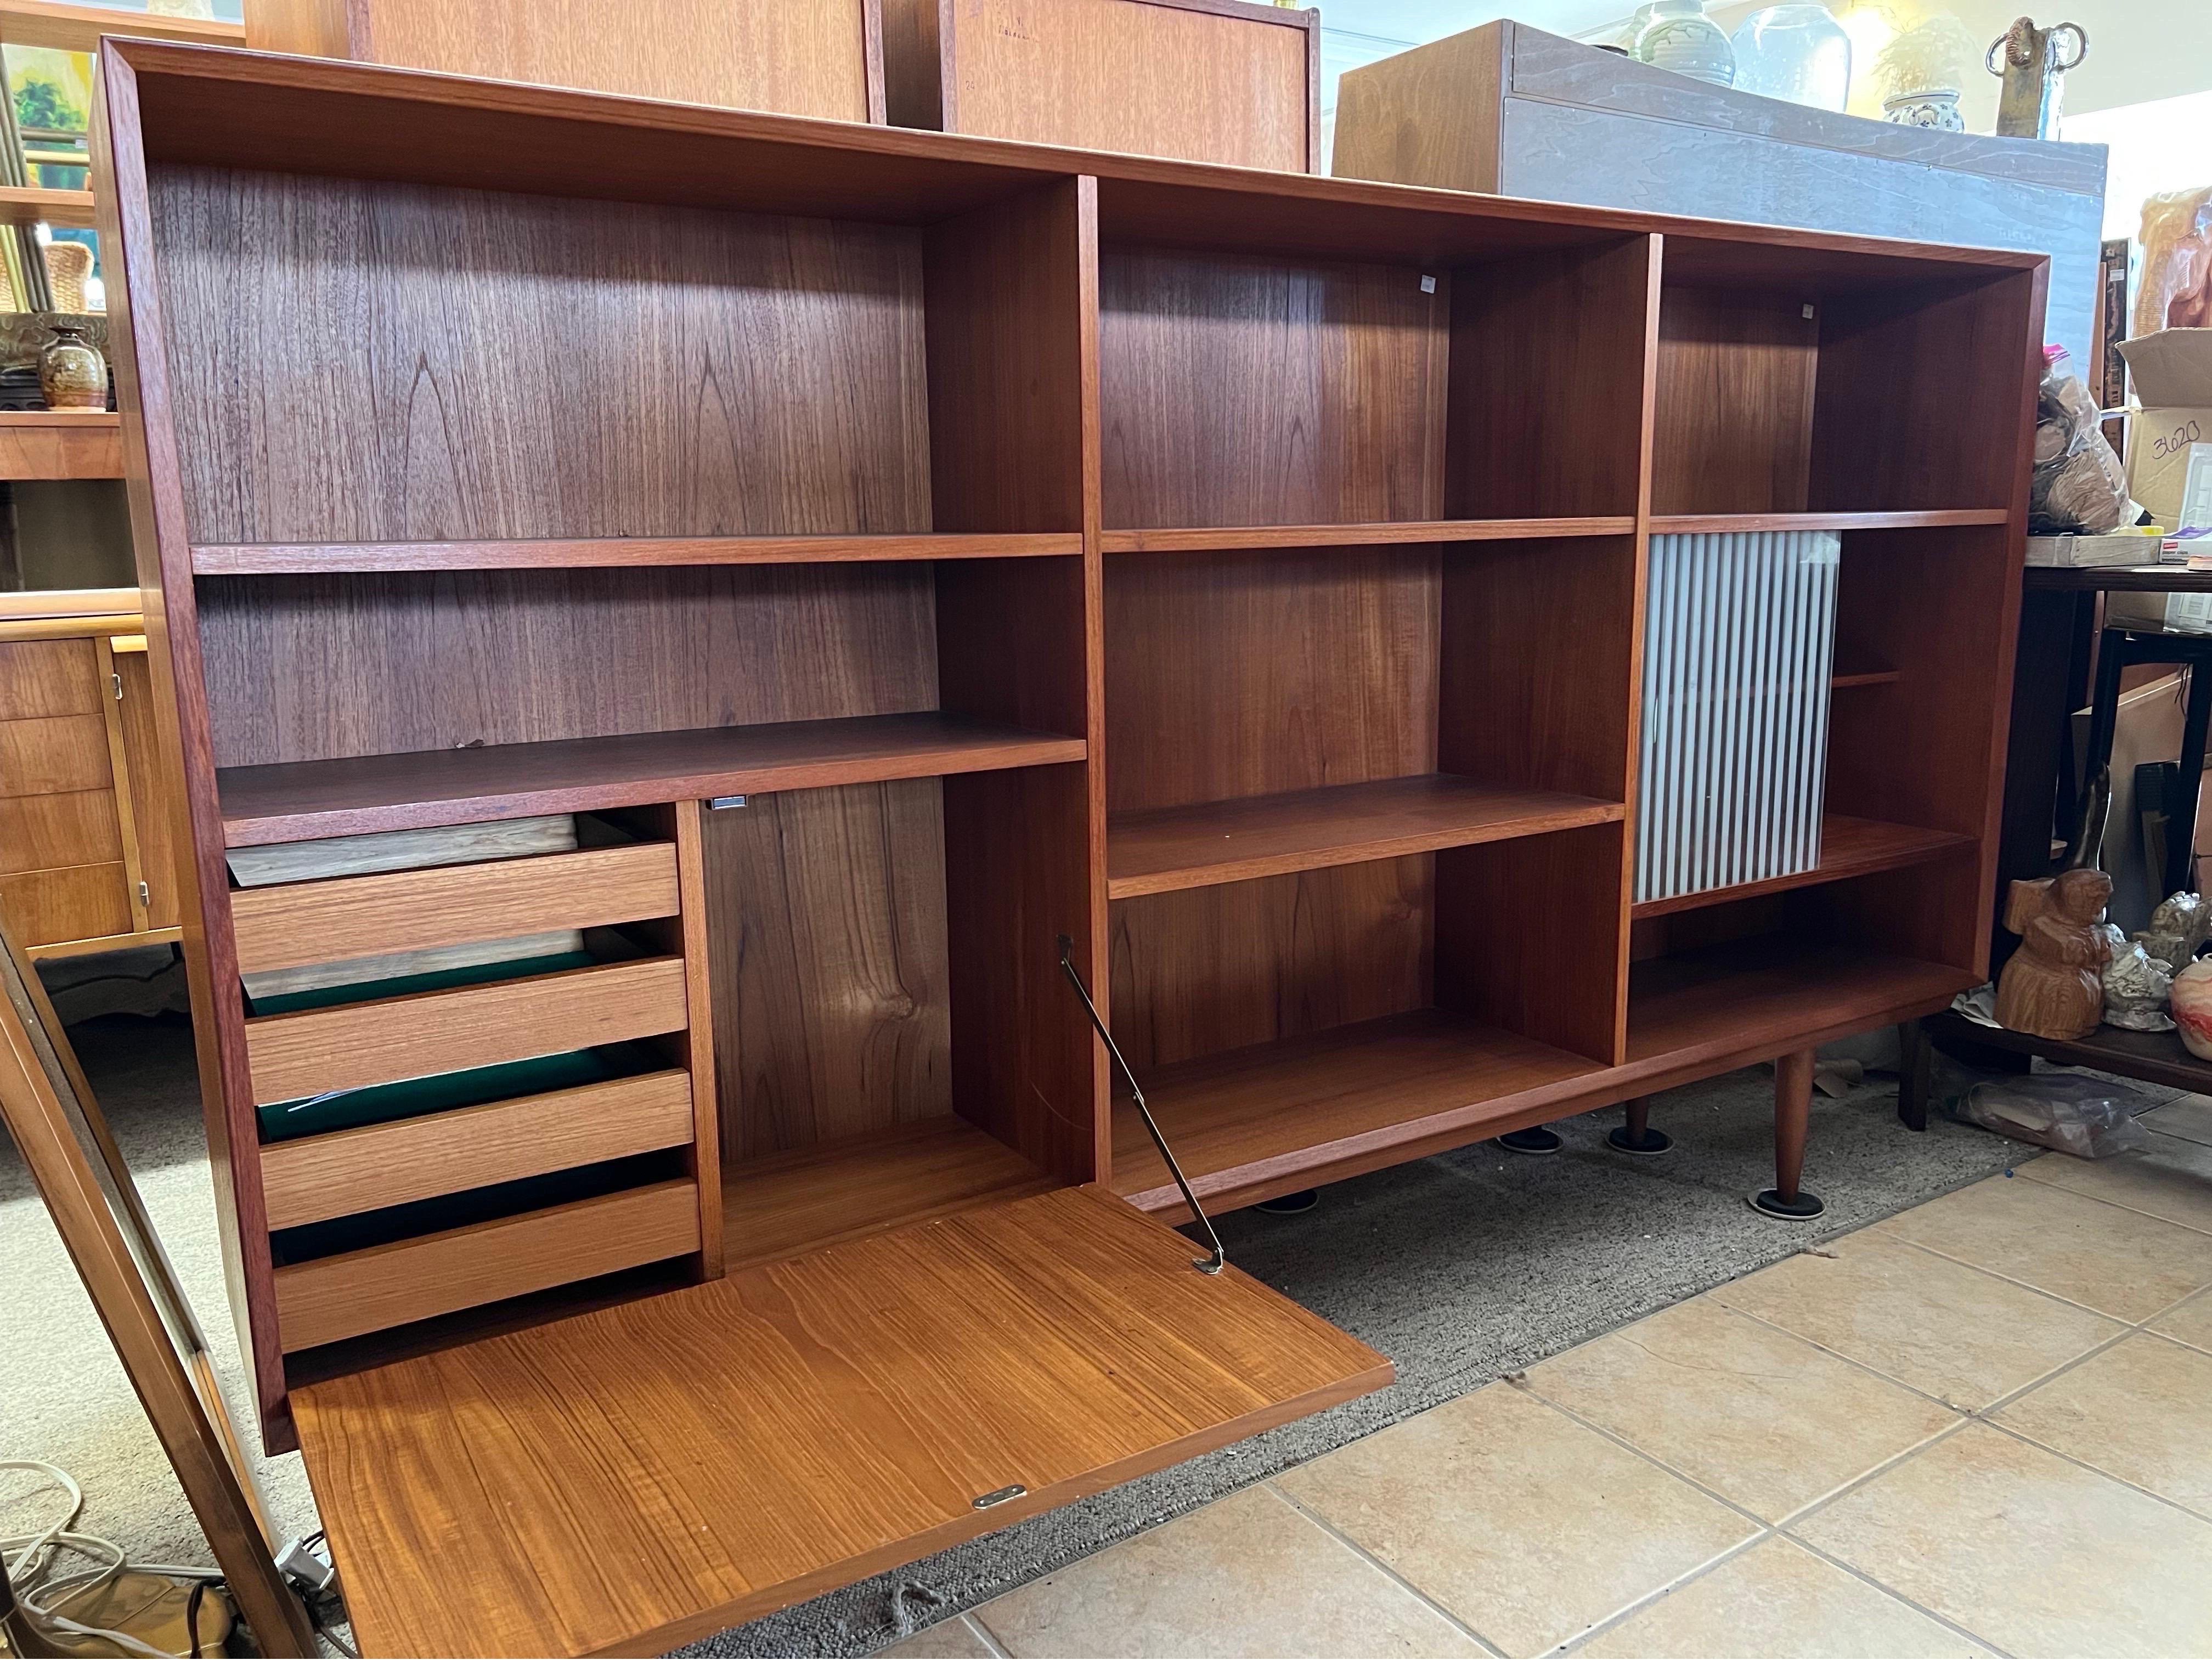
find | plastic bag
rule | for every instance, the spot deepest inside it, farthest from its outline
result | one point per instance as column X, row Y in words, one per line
column 2068, row 1112
column 2078, row 485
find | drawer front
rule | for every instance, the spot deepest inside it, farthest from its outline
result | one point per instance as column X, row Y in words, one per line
column 310, row 923
column 356, row 1044
column 51, row 907
column 335, row 1297
column 53, row 832
column 40, row 678
column 54, row 755
column 348, row 1172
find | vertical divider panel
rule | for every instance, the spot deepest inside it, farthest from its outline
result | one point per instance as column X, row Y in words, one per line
column 1541, row 670
column 159, row 531
column 1013, row 376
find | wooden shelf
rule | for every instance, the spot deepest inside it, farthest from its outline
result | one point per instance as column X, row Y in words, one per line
column 1849, row 847
column 1704, row 524
column 1845, row 679
column 255, row 559
column 1278, row 1116
column 1194, row 846
column 30, row 204
column 1207, row 538
column 300, row 800
column 78, row 28
column 61, row 444
column 779, row 1207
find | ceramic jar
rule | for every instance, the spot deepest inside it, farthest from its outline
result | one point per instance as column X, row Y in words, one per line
column 1682, row 38
column 2191, row 1006
column 1799, row 53
column 72, row 374
column 1937, row 108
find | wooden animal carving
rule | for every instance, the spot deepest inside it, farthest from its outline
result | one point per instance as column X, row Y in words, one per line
column 2053, row 986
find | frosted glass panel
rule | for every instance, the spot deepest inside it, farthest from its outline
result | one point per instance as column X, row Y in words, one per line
column 1739, row 632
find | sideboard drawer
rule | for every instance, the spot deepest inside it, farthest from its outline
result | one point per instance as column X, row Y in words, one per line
column 54, row 754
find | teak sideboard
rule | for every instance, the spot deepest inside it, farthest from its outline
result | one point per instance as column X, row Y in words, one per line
column 1236, row 576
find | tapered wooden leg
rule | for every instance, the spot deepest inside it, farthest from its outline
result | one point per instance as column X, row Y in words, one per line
column 1637, row 1135
column 1916, row 1073
column 1793, row 1108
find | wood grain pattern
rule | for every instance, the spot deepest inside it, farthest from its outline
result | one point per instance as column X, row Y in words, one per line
column 150, row 777
column 107, row 675
column 31, row 205
column 313, row 1178
column 290, row 927
column 826, row 930
column 796, row 56
column 55, row 755
column 1545, row 408
column 1218, row 968
column 1254, row 674
column 1849, row 847
column 309, row 558
column 1188, row 846
column 425, row 661
column 1244, row 391
column 354, row 1044
column 781, row 1410
column 456, row 786
column 78, row 902
column 1216, row 82
column 1734, row 430
column 1425, row 117
column 1720, row 524
column 43, row 678
column 41, row 832
column 63, row 28
column 789, row 1204
column 450, row 412
column 1207, row 538
column 61, row 444
column 689, row 933
column 334, row 1298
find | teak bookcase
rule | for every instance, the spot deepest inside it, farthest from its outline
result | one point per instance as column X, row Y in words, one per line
column 1239, row 576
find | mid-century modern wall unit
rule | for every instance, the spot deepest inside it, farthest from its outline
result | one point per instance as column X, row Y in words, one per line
column 869, row 559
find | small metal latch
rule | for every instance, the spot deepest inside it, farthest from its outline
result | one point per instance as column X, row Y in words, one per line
column 116, row 675
column 985, row 1500
column 721, row 802
column 1219, row 1260
column 145, row 894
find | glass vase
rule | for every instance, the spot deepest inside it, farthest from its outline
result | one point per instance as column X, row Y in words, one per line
column 1682, row 38
column 1798, row 53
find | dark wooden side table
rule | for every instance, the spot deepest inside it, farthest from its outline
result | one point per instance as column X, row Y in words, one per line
column 2058, row 619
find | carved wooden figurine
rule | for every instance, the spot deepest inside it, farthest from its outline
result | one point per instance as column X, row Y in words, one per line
column 2051, row 987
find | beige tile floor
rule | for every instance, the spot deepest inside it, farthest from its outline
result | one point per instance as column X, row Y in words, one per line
column 1983, row 1426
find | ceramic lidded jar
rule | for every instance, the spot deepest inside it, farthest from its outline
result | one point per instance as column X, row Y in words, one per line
column 1682, row 38
column 2191, row 1006
column 72, row 374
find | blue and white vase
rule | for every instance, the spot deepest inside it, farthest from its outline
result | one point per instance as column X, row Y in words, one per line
column 1682, row 38
column 1937, row 108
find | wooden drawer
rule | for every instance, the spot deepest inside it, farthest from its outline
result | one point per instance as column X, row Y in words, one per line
column 40, row 678
column 308, row 922
column 52, row 832
column 49, row 907
column 348, row 1172
column 335, row 1297
column 382, row 1041
column 54, row 755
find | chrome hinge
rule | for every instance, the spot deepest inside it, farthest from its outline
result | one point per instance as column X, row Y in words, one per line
column 117, row 676
column 1203, row 1264
column 145, row 894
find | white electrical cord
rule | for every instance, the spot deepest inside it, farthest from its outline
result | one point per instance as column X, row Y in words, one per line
column 32, row 1558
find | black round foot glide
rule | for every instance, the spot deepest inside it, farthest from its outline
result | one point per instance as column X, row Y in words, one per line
column 1290, row 1204
column 1799, row 1206
column 1534, row 1141
column 1654, row 1143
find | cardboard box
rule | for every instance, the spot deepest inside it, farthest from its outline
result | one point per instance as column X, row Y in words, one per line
column 2076, row 551
column 2172, row 374
column 2178, row 613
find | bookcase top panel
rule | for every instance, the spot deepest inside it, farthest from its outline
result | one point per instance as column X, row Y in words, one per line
column 220, row 107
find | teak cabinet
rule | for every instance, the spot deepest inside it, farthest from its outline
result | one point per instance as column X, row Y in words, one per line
column 1239, row 578
column 822, row 58
column 1224, row 80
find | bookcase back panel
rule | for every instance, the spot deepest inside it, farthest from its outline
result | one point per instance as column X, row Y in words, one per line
column 1242, row 390
column 826, row 925
column 1250, row 673
column 1218, row 968
column 1732, row 428
column 303, row 668
column 365, row 361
